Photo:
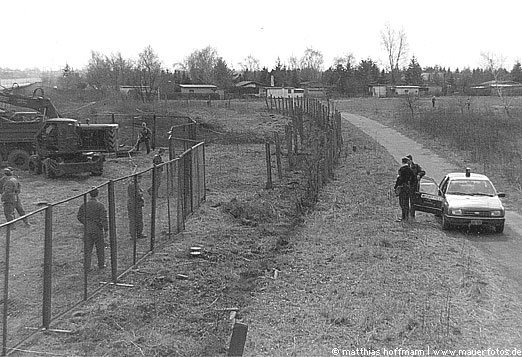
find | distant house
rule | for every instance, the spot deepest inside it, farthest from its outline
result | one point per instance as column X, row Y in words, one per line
column 284, row 92
column 313, row 89
column 129, row 90
column 492, row 88
column 201, row 91
column 250, row 88
column 405, row 90
column 198, row 88
column 378, row 90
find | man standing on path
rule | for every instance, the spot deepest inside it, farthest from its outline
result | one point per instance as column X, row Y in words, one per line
column 93, row 215
column 418, row 173
column 404, row 184
column 11, row 189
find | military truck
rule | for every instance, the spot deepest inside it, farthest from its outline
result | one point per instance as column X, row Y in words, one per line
column 46, row 143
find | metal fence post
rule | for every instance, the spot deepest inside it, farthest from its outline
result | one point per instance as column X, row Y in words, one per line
column 181, row 195
column 154, row 132
column 48, row 268
column 112, row 231
column 153, row 206
column 85, row 253
column 6, row 290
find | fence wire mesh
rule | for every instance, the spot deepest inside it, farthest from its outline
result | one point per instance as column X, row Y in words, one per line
column 48, row 267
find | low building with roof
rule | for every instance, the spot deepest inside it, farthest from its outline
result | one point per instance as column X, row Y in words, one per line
column 284, row 92
column 510, row 88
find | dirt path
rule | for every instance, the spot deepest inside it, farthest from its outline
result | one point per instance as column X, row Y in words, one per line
column 505, row 249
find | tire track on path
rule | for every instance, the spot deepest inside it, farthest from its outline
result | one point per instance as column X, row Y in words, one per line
column 505, row 249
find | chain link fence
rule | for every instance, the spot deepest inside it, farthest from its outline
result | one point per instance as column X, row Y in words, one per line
column 47, row 269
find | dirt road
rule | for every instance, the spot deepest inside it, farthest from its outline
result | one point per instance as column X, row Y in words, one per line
column 505, row 249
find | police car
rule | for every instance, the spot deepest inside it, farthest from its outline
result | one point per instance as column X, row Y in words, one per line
column 462, row 199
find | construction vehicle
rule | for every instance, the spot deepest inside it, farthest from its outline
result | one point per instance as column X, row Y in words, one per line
column 44, row 142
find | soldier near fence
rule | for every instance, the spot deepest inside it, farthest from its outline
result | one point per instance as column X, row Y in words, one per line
column 135, row 203
column 144, row 136
column 157, row 160
column 10, row 189
column 93, row 215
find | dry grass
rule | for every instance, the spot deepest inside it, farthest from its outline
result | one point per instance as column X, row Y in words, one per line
column 348, row 275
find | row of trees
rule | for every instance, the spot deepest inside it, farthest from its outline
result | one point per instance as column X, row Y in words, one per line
column 345, row 76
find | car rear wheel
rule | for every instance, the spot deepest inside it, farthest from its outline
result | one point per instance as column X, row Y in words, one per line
column 445, row 224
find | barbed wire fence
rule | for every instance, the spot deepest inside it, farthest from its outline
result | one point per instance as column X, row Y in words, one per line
column 312, row 141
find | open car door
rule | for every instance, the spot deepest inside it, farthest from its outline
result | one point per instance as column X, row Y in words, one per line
column 429, row 198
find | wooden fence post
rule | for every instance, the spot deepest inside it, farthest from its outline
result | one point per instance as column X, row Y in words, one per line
column 268, row 166
column 289, row 151
column 278, row 156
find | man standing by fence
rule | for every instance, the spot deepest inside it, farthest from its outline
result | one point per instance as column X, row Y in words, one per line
column 11, row 196
column 135, row 205
column 93, row 215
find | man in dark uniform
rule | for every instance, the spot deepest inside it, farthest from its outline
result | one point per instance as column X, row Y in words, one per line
column 403, row 183
column 157, row 160
column 144, row 137
column 418, row 173
column 8, row 173
column 135, row 205
column 11, row 188
column 93, row 215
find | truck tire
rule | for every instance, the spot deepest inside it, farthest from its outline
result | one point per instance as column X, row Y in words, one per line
column 35, row 165
column 19, row 159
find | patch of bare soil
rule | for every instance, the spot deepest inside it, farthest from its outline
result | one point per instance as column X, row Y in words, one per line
column 345, row 276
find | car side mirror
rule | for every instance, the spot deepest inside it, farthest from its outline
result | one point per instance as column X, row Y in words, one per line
column 501, row 194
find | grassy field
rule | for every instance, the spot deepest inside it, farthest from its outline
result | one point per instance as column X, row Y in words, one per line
column 344, row 276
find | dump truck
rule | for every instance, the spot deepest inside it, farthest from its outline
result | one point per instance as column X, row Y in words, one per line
column 44, row 142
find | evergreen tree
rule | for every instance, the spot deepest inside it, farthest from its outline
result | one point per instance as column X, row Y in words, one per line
column 516, row 72
column 413, row 74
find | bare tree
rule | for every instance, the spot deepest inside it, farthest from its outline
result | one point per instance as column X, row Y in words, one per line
column 346, row 61
column 293, row 63
column 250, row 64
column 200, row 65
column 494, row 64
column 149, row 68
column 396, row 46
column 312, row 64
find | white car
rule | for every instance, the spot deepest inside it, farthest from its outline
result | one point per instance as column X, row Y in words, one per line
column 462, row 199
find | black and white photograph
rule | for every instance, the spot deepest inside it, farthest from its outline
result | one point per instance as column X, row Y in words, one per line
column 270, row 178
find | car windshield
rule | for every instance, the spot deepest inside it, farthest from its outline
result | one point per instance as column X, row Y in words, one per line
column 471, row 188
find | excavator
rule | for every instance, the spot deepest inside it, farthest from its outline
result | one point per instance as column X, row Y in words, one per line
column 44, row 142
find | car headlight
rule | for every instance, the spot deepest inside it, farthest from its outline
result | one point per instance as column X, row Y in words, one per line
column 456, row 212
column 496, row 213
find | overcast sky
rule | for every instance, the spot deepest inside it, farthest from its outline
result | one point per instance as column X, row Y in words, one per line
column 48, row 34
